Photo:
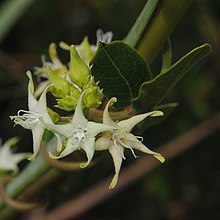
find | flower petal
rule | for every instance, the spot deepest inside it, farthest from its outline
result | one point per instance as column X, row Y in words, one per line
column 37, row 133
column 96, row 128
column 106, row 117
column 116, row 154
column 78, row 117
column 103, row 143
column 70, row 148
column 89, row 149
column 63, row 129
column 128, row 124
column 20, row 156
column 32, row 102
column 136, row 144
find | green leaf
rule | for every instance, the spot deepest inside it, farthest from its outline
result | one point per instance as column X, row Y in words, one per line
column 152, row 92
column 120, row 71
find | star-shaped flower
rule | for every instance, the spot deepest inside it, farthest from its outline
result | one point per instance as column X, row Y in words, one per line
column 80, row 134
column 32, row 119
column 121, row 138
column 9, row 160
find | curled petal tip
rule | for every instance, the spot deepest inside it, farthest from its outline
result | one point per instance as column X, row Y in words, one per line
column 83, row 165
column 112, row 101
column 51, row 155
column 159, row 157
column 113, row 182
column 157, row 113
column 31, row 158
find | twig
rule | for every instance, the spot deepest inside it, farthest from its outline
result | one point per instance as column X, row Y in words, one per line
column 100, row 192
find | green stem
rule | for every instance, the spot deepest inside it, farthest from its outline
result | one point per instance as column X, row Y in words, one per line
column 30, row 174
column 141, row 22
column 32, row 191
column 163, row 21
column 10, row 12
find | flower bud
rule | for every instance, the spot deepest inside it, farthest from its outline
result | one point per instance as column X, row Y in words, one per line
column 68, row 103
column 78, row 71
column 57, row 66
column 60, row 85
column 86, row 50
column 92, row 96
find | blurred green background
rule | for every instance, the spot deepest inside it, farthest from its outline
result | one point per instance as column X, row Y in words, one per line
column 187, row 187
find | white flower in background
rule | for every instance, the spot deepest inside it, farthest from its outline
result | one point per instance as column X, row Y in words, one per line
column 33, row 118
column 121, row 138
column 86, row 50
column 80, row 134
column 9, row 160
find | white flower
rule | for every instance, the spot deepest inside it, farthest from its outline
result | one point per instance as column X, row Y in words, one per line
column 121, row 138
column 80, row 134
column 32, row 119
column 9, row 160
column 86, row 50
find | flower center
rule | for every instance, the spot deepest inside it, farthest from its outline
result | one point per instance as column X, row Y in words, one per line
column 78, row 135
column 118, row 137
column 27, row 117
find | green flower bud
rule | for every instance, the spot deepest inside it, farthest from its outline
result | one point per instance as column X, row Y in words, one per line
column 92, row 97
column 78, row 71
column 93, row 94
column 61, row 87
column 57, row 66
column 68, row 103
column 85, row 50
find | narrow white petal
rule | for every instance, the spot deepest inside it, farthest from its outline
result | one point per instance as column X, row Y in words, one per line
column 103, row 143
column 63, row 129
column 32, row 102
column 37, row 133
column 10, row 142
column 89, row 149
column 116, row 154
column 128, row 124
column 136, row 144
column 42, row 107
column 96, row 128
column 42, row 103
column 59, row 142
column 106, row 117
column 78, row 117
column 70, row 148
column 19, row 157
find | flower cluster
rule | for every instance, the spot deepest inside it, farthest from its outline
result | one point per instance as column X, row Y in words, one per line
column 74, row 88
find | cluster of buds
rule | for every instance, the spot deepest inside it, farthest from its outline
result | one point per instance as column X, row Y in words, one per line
column 75, row 89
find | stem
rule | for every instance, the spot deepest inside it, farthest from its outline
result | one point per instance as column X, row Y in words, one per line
column 163, row 21
column 10, row 12
column 36, row 189
column 27, row 176
column 141, row 23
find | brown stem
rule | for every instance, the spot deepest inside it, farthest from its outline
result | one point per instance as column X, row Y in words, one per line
column 97, row 114
column 100, row 192
column 61, row 165
column 22, row 206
